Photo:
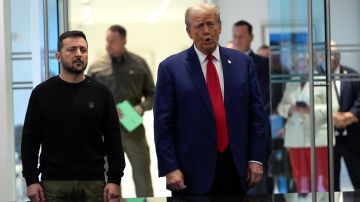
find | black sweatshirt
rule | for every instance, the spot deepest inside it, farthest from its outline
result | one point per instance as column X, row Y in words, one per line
column 76, row 126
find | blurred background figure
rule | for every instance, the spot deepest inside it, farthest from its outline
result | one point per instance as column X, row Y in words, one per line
column 346, row 119
column 129, row 78
column 294, row 107
column 264, row 51
column 229, row 44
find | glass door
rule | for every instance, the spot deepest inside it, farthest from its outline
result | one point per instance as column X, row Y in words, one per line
column 298, row 98
column 34, row 32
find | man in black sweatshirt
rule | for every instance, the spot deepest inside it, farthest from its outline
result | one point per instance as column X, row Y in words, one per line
column 73, row 119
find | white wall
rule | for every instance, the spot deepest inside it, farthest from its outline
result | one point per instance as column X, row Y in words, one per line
column 345, row 29
column 154, row 42
column 253, row 11
column 7, row 165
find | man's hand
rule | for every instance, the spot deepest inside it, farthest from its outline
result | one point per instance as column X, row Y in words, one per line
column 343, row 119
column 112, row 193
column 296, row 109
column 35, row 192
column 175, row 180
column 119, row 113
column 255, row 173
column 139, row 109
column 350, row 118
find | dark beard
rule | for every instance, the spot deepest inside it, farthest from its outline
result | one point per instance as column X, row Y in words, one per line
column 73, row 70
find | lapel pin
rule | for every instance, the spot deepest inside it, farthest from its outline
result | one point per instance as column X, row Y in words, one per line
column 229, row 61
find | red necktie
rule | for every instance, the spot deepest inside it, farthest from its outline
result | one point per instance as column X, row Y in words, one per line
column 217, row 102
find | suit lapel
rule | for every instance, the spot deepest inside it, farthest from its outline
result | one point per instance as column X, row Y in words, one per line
column 343, row 86
column 226, row 63
column 197, row 76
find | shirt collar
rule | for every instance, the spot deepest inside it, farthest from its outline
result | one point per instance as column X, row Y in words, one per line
column 121, row 58
column 337, row 70
column 202, row 56
column 247, row 52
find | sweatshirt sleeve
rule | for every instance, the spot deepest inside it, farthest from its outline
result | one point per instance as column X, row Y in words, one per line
column 31, row 140
column 113, row 142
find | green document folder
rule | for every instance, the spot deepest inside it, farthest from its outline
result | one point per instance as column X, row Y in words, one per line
column 135, row 200
column 131, row 119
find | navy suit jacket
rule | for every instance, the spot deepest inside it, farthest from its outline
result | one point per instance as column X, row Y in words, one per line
column 184, row 121
column 263, row 70
column 263, row 73
column 350, row 102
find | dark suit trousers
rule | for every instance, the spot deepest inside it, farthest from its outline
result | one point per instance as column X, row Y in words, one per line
column 350, row 152
column 227, row 180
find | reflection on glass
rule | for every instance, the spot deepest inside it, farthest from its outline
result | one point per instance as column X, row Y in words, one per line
column 290, row 96
column 346, row 88
column 25, row 29
column 295, row 107
column 290, row 197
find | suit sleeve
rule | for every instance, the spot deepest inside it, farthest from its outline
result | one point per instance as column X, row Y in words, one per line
column 265, row 83
column 257, row 123
column 355, row 109
column 164, row 122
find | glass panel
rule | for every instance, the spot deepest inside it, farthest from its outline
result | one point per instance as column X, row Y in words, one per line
column 53, row 32
column 290, row 96
column 345, row 68
column 22, row 63
column 320, row 100
column 22, row 77
column 27, row 64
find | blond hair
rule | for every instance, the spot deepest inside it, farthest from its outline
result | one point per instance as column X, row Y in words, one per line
column 202, row 7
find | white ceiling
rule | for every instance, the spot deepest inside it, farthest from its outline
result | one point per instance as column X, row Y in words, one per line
column 117, row 11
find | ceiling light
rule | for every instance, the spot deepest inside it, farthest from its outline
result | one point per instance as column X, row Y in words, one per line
column 159, row 10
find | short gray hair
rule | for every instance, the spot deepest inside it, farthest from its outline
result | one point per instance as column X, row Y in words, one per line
column 202, row 7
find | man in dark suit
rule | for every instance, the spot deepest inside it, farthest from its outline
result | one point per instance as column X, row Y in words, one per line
column 242, row 37
column 209, row 115
column 346, row 120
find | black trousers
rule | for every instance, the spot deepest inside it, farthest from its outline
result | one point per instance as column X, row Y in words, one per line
column 226, row 182
column 352, row 161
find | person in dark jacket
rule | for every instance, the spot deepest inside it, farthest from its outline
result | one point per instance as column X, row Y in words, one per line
column 72, row 120
column 346, row 120
column 129, row 78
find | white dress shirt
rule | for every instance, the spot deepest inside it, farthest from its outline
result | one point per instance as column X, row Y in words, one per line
column 217, row 62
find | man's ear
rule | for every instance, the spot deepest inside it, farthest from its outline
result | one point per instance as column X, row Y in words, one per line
column 125, row 41
column 188, row 32
column 58, row 56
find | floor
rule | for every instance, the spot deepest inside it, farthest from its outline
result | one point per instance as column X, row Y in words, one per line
column 128, row 188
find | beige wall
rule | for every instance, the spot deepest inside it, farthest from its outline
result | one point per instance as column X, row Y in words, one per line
column 154, row 42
